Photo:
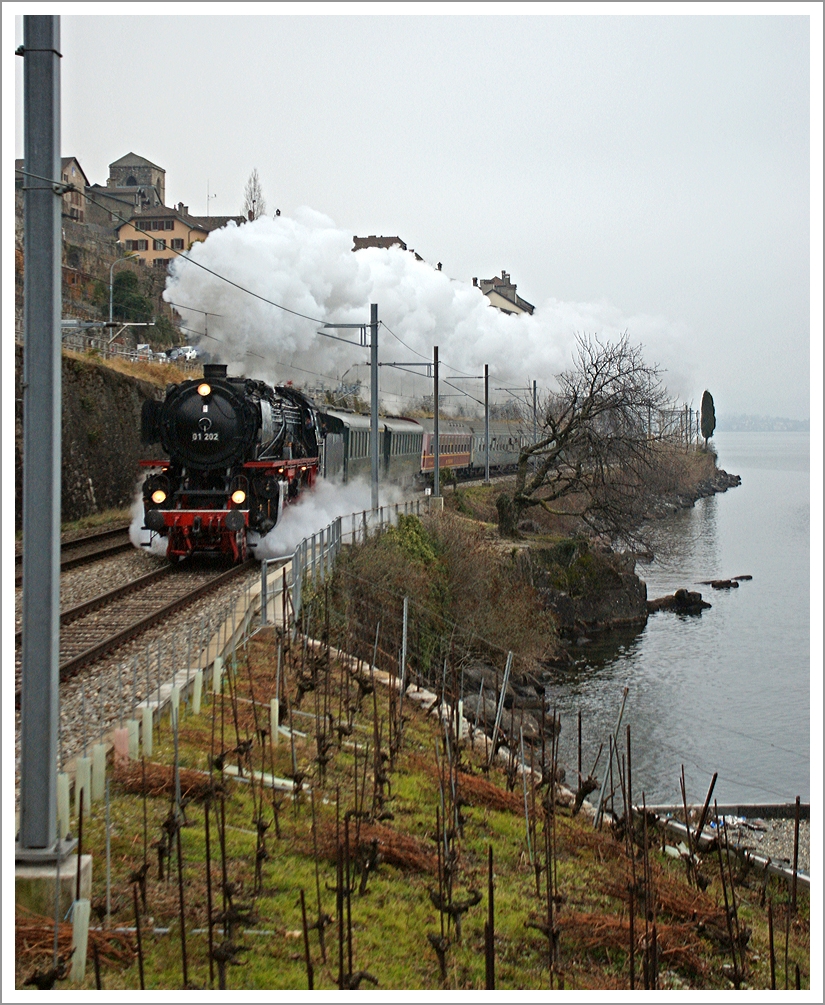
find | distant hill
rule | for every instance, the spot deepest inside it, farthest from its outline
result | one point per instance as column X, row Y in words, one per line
column 761, row 424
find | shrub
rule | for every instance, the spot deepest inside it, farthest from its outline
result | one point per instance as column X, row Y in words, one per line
column 466, row 600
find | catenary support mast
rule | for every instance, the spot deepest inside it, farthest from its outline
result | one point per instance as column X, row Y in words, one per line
column 43, row 200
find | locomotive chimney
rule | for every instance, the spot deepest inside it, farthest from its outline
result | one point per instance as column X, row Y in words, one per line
column 214, row 371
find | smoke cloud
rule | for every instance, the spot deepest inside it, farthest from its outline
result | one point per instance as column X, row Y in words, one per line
column 312, row 512
column 306, row 264
column 315, row 510
column 141, row 538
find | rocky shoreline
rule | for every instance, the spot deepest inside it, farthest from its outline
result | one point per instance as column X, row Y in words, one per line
column 603, row 590
column 772, row 839
column 671, row 503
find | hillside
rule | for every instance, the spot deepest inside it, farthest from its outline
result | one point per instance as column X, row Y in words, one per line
column 392, row 854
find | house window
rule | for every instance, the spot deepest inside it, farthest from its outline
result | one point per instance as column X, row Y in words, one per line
column 160, row 263
column 169, row 224
column 159, row 245
column 177, row 244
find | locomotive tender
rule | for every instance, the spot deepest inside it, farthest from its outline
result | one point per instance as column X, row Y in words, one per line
column 239, row 450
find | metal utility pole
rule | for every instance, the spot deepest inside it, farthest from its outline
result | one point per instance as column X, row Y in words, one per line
column 43, row 202
column 374, row 401
column 486, row 424
column 535, row 418
column 436, row 485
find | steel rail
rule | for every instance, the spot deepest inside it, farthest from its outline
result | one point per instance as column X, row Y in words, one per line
column 71, row 667
column 68, row 561
column 102, row 599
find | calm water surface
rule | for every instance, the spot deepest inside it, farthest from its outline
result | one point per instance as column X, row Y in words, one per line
column 727, row 691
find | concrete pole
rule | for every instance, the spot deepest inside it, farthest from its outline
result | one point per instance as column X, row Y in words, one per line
column 374, row 400
column 486, row 424
column 535, row 426
column 43, row 202
column 436, row 485
column 535, row 416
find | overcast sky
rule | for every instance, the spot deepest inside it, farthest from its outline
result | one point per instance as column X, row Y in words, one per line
column 658, row 166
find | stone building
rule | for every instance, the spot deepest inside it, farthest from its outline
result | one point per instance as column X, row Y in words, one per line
column 74, row 203
column 134, row 184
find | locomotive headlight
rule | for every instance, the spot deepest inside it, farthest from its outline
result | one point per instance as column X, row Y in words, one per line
column 204, row 389
column 158, row 496
column 238, row 496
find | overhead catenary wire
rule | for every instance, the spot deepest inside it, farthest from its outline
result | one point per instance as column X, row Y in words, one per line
column 212, row 272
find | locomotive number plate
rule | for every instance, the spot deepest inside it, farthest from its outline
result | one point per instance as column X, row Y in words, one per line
column 205, row 437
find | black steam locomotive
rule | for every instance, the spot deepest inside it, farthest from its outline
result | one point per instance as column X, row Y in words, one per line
column 238, row 451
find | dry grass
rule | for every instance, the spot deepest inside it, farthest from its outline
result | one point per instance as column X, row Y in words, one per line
column 158, row 374
column 679, row 471
column 679, row 945
column 394, row 847
column 159, row 780
column 452, row 577
column 34, row 944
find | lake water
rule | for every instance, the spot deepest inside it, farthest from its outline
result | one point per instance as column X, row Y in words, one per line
column 727, row 691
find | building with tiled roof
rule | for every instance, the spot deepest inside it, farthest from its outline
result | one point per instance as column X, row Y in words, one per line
column 502, row 294
column 161, row 233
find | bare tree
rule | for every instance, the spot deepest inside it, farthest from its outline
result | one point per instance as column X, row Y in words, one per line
column 592, row 443
column 254, row 204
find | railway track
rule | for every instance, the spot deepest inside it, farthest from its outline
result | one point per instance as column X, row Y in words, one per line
column 108, row 621
column 83, row 550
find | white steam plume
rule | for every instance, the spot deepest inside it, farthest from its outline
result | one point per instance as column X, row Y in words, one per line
column 315, row 510
column 306, row 263
column 140, row 537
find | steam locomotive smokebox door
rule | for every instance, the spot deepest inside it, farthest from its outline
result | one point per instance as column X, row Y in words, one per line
column 208, row 424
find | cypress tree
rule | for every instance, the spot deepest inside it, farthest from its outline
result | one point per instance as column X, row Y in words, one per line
column 708, row 421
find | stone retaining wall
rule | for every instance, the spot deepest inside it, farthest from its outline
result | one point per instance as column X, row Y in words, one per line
column 101, row 437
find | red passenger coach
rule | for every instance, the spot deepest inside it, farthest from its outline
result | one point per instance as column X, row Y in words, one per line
column 454, row 451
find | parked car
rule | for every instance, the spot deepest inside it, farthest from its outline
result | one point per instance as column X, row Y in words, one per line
column 189, row 352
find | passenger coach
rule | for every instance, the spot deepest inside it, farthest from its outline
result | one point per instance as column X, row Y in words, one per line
column 348, row 451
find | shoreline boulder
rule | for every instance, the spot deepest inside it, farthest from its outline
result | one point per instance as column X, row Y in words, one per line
column 681, row 602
